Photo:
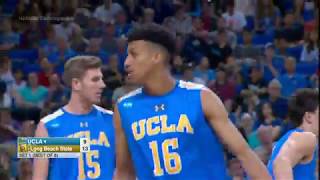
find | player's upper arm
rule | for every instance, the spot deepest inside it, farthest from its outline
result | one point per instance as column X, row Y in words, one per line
column 217, row 116
column 124, row 166
column 40, row 166
column 296, row 148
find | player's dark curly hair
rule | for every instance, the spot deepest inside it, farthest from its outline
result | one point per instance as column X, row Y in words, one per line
column 154, row 33
column 304, row 100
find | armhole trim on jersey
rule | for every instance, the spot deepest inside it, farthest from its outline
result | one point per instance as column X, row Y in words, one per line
column 130, row 94
column 101, row 109
column 190, row 85
column 52, row 116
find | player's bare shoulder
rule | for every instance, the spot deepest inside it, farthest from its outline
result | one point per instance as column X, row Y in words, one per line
column 306, row 140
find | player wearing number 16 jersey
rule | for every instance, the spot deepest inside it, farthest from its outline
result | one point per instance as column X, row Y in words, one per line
column 80, row 118
column 172, row 129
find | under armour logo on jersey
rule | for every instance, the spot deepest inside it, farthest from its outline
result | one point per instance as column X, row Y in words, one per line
column 127, row 104
column 159, row 107
column 84, row 124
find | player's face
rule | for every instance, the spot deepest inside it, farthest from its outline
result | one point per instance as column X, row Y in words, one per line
column 92, row 85
column 140, row 61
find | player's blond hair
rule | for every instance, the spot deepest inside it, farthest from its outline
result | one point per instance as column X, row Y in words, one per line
column 76, row 67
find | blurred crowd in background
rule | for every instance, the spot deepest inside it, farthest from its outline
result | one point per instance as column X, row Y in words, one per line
column 253, row 53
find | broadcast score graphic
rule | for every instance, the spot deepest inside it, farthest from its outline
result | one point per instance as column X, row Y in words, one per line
column 51, row 147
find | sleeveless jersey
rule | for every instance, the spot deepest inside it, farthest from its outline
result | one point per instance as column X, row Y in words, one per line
column 305, row 171
column 169, row 137
column 97, row 126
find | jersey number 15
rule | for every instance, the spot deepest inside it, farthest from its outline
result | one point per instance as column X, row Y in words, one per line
column 168, row 157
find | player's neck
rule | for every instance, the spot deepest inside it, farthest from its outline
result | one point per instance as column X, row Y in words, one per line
column 159, row 84
column 78, row 106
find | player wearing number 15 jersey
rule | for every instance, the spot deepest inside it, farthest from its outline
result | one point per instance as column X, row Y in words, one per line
column 80, row 118
column 172, row 129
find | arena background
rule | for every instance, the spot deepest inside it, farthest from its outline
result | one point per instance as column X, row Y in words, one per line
column 253, row 53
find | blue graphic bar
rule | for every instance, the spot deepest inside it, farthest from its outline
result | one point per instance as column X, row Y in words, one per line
column 49, row 141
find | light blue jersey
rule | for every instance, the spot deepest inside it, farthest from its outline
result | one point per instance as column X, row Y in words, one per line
column 97, row 126
column 305, row 171
column 169, row 136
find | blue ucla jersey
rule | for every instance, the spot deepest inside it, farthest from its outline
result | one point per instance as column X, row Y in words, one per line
column 302, row 171
column 169, row 137
column 97, row 126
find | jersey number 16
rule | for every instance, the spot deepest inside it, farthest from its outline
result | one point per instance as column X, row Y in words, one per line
column 167, row 157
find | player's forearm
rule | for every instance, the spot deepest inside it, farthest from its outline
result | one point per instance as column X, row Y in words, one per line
column 123, row 175
column 253, row 165
column 282, row 169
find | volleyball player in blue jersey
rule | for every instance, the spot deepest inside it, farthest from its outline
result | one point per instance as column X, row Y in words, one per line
column 80, row 118
column 295, row 155
column 172, row 129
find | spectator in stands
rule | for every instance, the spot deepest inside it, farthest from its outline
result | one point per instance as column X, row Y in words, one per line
column 121, row 52
column 94, row 49
column 278, row 103
column 49, row 44
column 266, row 117
column 66, row 27
column 272, row 66
column 25, row 169
column 46, row 71
column 56, row 93
column 292, row 29
column 222, row 26
column 265, row 137
column 113, row 66
column 220, row 50
column 107, row 11
column 133, row 10
column 197, row 29
column 255, row 82
column 247, row 49
column 148, row 16
column 5, row 162
column 209, row 17
column 78, row 42
column 8, row 38
column 236, row 171
column 121, row 24
column 187, row 74
column 235, row 19
column 9, row 128
column 291, row 80
column 30, row 38
column 124, row 89
column 28, row 128
column 310, row 50
column 19, row 81
column 94, row 28
column 267, row 16
column 314, row 81
column 5, row 98
column 59, row 57
column 109, row 41
column 181, row 21
column 6, row 73
column 177, row 66
column 247, row 7
column 223, row 86
column 246, row 123
column 33, row 95
column 203, row 71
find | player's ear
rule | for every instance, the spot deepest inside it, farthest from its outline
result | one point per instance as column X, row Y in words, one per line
column 308, row 117
column 75, row 84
